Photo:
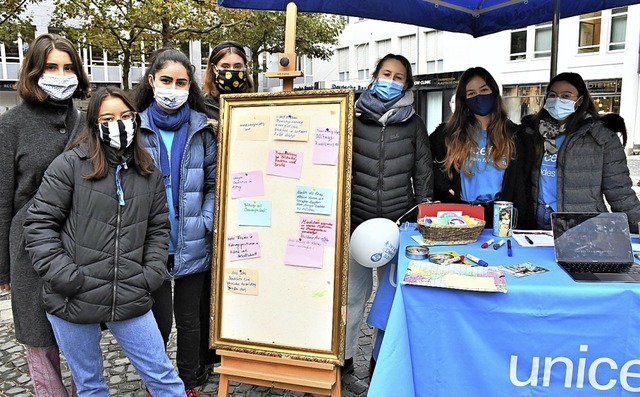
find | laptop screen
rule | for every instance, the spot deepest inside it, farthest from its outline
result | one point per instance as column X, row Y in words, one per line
column 591, row 237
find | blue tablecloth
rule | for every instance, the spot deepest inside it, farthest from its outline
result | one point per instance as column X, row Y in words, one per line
column 547, row 336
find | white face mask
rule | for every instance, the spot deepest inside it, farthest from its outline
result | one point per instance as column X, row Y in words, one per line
column 59, row 88
column 169, row 98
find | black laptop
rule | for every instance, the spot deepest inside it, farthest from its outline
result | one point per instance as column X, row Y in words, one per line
column 594, row 247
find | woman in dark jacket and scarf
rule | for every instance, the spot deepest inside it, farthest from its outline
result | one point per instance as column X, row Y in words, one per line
column 391, row 170
column 577, row 162
column 97, row 233
column 479, row 157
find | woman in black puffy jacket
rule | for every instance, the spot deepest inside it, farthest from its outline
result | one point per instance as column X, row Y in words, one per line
column 97, row 233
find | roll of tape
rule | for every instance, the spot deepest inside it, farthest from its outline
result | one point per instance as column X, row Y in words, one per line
column 416, row 252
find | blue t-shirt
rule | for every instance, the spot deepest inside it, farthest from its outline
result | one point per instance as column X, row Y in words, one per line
column 167, row 138
column 485, row 184
column 548, row 193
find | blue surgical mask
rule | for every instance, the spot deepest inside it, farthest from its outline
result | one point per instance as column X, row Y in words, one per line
column 386, row 90
column 559, row 108
column 482, row 104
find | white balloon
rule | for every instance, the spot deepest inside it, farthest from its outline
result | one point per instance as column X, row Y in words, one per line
column 374, row 242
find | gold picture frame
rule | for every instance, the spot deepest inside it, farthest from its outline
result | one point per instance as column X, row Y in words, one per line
column 281, row 232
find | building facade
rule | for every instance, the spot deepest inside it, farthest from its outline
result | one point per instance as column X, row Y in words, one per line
column 603, row 47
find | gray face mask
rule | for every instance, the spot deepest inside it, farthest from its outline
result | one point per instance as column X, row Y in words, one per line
column 58, row 88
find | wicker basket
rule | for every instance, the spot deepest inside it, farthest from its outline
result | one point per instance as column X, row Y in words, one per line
column 434, row 234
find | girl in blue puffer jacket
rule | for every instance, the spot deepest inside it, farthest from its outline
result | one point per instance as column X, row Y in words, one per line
column 176, row 132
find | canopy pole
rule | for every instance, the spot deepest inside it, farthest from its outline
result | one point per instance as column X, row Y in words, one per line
column 555, row 27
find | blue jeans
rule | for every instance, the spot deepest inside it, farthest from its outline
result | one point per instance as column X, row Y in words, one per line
column 140, row 340
column 543, row 216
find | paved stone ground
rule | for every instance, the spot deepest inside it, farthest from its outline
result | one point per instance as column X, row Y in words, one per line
column 124, row 381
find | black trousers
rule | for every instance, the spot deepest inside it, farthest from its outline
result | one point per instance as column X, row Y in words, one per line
column 184, row 304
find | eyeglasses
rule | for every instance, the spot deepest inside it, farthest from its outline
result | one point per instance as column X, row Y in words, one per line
column 565, row 96
column 128, row 115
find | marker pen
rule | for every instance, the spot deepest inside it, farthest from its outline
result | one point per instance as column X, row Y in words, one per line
column 457, row 259
column 479, row 261
column 498, row 244
column 528, row 239
column 487, row 243
column 509, row 251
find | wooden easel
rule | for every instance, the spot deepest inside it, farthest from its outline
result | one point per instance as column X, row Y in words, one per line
column 280, row 372
column 277, row 372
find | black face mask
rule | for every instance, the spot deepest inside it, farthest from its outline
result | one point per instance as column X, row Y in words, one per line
column 230, row 81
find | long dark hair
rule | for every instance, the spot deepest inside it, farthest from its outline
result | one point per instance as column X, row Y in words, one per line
column 460, row 129
column 142, row 160
column 143, row 93
column 34, row 64
column 404, row 61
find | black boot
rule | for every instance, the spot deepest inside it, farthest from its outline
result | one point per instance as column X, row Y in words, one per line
column 372, row 366
column 347, row 367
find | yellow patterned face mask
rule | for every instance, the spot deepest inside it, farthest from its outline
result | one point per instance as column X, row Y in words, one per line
column 230, row 81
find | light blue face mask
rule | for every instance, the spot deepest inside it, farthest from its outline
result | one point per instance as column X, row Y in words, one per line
column 386, row 90
column 560, row 108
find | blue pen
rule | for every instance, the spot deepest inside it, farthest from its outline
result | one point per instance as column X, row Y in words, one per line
column 477, row 260
column 509, row 251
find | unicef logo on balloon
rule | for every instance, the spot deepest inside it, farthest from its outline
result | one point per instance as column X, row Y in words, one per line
column 374, row 242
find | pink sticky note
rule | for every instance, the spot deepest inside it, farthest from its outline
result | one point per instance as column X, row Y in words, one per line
column 301, row 253
column 285, row 163
column 325, row 149
column 243, row 246
column 247, row 184
column 318, row 230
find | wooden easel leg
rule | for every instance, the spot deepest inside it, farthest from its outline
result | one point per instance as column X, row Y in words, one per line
column 223, row 386
column 336, row 390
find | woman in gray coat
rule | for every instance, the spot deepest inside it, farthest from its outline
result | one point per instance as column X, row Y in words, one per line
column 32, row 134
column 577, row 161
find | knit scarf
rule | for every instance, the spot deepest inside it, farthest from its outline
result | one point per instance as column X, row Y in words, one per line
column 178, row 123
column 394, row 111
column 550, row 129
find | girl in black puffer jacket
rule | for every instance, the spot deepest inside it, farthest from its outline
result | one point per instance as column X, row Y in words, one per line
column 97, row 233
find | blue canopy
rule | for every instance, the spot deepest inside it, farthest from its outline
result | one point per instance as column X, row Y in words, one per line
column 475, row 17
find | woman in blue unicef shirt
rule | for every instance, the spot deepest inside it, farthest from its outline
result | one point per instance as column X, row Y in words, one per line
column 478, row 157
column 577, row 162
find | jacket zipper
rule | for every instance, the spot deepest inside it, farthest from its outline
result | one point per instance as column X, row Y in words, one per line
column 380, row 172
column 116, row 257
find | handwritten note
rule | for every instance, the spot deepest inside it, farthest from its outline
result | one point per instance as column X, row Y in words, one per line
column 285, row 163
column 253, row 128
column 247, row 184
column 325, row 150
column 314, row 200
column 290, row 127
column 320, row 231
column 254, row 213
column 242, row 281
column 243, row 246
column 300, row 253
